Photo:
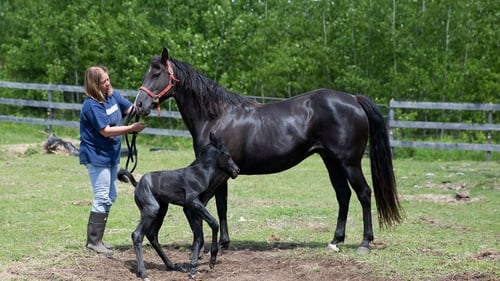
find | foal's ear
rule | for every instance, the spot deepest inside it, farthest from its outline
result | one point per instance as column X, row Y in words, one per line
column 164, row 56
column 214, row 140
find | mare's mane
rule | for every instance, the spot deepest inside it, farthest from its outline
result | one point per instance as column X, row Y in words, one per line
column 211, row 98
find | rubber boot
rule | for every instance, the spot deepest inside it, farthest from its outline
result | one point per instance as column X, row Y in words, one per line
column 95, row 232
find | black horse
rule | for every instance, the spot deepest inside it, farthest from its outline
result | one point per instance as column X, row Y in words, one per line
column 190, row 187
column 269, row 138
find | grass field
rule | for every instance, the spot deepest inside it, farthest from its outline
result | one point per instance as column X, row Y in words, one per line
column 451, row 228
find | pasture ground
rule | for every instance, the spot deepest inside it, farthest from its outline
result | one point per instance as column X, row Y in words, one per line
column 279, row 224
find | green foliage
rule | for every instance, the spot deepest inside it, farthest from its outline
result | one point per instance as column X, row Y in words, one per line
column 421, row 154
column 413, row 50
column 403, row 50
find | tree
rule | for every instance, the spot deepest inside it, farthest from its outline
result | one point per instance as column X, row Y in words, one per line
column 408, row 50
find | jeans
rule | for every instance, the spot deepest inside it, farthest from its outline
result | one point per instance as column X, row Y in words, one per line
column 103, row 180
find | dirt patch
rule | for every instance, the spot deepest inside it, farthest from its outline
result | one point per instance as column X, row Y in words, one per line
column 458, row 198
column 52, row 145
column 447, row 185
column 282, row 264
column 487, row 255
column 19, row 150
column 471, row 276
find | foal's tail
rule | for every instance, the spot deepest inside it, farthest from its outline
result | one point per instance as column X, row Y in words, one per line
column 126, row 176
column 384, row 183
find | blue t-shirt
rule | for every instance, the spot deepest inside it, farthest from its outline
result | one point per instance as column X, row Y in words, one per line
column 95, row 148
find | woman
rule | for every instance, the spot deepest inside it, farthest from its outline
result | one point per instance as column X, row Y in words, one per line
column 101, row 128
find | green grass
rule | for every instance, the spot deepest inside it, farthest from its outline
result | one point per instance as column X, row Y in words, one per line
column 42, row 217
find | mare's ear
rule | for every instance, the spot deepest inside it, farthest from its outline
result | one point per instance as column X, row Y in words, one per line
column 164, row 56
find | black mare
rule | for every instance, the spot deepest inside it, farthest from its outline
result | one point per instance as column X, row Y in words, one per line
column 190, row 187
column 269, row 138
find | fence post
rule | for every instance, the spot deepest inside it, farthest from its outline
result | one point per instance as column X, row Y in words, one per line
column 390, row 118
column 488, row 137
column 49, row 112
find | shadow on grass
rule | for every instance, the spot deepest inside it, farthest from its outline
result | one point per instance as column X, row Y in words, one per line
column 242, row 245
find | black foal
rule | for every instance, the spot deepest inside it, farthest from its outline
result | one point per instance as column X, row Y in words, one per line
column 189, row 187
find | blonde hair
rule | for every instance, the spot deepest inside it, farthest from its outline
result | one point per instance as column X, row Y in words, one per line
column 92, row 83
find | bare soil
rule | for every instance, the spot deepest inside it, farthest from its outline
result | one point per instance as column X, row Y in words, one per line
column 254, row 263
column 279, row 262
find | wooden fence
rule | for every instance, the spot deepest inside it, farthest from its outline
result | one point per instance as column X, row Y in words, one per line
column 50, row 106
column 488, row 127
column 393, row 122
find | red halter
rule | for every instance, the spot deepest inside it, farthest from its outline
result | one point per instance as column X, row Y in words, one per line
column 156, row 97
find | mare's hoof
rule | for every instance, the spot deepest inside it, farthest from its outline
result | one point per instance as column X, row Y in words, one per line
column 364, row 250
column 223, row 245
column 213, row 258
column 333, row 247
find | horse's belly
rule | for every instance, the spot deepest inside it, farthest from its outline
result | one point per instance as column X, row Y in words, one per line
column 270, row 165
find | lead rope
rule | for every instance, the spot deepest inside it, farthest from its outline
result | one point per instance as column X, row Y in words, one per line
column 132, row 149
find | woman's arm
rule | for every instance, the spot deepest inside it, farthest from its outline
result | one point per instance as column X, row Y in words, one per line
column 121, row 130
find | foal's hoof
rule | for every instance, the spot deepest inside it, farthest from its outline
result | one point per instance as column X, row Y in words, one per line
column 179, row 268
column 192, row 274
column 364, row 250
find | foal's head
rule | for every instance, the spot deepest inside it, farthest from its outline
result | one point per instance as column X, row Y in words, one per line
column 216, row 151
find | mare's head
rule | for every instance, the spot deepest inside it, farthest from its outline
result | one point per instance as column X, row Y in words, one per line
column 157, row 85
column 216, row 151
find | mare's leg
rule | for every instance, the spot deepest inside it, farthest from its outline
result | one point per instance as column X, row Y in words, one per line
column 152, row 235
column 221, row 202
column 338, row 178
column 363, row 192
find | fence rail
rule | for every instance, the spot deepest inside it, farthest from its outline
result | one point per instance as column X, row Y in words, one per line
column 50, row 106
column 488, row 127
column 393, row 123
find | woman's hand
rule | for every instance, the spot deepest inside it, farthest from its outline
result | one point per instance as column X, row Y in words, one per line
column 137, row 127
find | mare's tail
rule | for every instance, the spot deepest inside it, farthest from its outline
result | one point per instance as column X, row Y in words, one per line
column 126, row 176
column 384, row 183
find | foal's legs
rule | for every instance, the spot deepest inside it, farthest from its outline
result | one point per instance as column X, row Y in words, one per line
column 149, row 225
column 196, row 227
column 137, row 238
column 152, row 235
column 198, row 209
